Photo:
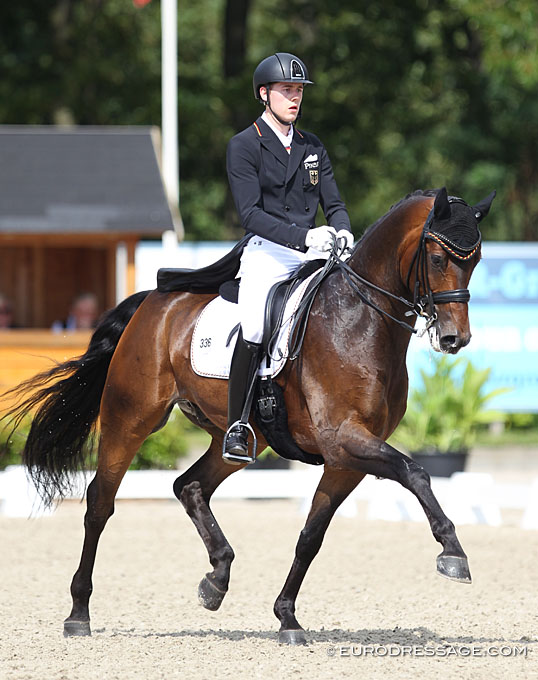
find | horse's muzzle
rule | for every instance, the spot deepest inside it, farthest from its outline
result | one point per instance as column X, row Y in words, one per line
column 451, row 344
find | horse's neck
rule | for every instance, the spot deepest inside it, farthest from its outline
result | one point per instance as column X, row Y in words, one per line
column 379, row 252
column 376, row 257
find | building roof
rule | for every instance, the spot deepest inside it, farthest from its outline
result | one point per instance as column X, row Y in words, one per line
column 81, row 180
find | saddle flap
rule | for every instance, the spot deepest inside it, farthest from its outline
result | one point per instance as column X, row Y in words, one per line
column 211, row 348
column 277, row 299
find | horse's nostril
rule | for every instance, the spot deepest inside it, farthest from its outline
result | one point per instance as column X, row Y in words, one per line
column 450, row 343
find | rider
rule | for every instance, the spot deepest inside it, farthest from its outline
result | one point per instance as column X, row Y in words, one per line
column 278, row 177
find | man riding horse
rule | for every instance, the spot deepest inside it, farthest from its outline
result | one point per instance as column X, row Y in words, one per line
column 278, row 176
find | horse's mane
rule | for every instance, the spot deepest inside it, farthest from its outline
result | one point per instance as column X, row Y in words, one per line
column 428, row 193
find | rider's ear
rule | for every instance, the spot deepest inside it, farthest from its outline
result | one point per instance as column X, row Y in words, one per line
column 481, row 209
column 263, row 94
column 441, row 207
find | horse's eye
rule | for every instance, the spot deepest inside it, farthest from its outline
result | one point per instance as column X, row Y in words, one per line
column 437, row 261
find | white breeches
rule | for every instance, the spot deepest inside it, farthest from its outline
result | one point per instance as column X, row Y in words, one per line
column 263, row 263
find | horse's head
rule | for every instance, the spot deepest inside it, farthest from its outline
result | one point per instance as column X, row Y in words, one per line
column 437, row 272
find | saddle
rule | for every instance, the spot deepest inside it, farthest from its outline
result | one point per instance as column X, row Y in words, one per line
column 275, row 305
column 219, row 277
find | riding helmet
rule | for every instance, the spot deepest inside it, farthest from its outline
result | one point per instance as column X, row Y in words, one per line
column 281, row 67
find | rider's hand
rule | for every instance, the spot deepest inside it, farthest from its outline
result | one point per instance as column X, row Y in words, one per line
column 321, row 238
column 345, row 233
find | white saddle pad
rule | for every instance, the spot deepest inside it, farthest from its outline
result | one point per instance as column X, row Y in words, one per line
column 211, row 358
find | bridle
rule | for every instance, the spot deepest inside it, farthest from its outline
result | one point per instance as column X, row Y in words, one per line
column 423, row 304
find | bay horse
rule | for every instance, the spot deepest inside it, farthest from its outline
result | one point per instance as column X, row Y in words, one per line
column 344, row 397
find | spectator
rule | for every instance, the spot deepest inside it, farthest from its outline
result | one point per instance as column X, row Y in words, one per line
column 6, row 312
column 83, row 314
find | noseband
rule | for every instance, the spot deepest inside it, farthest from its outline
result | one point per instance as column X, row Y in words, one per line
column 424, row 299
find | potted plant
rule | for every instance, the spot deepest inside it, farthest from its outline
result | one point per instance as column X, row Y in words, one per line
column 444, row 415
column 269, row 460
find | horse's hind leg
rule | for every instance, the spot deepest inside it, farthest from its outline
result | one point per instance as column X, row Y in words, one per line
column 194, row 489
column 334, row 487
column 124, row 427
column 100, row 506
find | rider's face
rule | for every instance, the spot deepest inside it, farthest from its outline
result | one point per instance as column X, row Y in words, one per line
column 285, row 100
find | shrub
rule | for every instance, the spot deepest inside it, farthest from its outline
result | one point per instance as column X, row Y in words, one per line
column 161, row 450
column 164, row 448
column 445, row 413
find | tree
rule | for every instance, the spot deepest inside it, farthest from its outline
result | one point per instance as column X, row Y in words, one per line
column 91, row 62
column 409, row 93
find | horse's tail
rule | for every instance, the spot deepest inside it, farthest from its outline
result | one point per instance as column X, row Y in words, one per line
column 64, row 404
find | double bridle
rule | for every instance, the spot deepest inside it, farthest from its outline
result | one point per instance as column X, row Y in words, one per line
column 423, row 305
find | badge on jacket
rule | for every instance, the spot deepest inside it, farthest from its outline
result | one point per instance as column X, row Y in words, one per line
column 312, row 164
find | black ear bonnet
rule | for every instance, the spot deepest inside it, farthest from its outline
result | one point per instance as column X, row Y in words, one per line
column 454, row 224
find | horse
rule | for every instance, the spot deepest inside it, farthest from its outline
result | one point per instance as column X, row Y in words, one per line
column 344, row 396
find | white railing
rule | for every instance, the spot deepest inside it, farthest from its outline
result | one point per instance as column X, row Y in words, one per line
column 467, row 498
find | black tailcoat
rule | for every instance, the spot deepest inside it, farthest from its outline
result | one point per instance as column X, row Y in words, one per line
column 277, row 193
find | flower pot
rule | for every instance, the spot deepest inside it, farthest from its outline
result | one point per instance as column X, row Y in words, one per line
column 439, row 464
column 269, row 463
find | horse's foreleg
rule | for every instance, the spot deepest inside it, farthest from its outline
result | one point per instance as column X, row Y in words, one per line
column 194, row 489
column 333, row 489
column 365, row 452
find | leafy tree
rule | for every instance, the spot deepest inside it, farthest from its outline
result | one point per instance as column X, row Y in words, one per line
column 409, row 93
column 91, row 62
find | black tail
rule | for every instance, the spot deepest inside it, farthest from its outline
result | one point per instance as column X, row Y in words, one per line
column 66, row 402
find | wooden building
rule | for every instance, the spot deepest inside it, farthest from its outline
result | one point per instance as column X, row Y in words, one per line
column 70, row 199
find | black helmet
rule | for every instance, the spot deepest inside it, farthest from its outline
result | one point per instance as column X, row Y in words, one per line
column 281, row 67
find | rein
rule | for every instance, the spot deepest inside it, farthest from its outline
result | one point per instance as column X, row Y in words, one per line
column 421, row 305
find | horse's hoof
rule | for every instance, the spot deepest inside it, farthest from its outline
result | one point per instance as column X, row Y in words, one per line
column 292, row 637
column 454, row 568
column 76, row 628
column 209, row 595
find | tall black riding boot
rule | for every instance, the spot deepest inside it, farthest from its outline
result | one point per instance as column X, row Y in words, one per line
column 245, row 363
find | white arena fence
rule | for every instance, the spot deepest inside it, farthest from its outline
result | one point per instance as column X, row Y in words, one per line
column 466, row 497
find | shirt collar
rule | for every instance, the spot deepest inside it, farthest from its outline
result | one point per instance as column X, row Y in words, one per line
column 285, row 139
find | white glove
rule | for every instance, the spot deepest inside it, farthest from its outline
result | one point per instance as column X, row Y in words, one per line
column 321, row 238
column 344, row 233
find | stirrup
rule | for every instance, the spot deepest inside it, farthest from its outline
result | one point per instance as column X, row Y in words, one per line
column 235, row 458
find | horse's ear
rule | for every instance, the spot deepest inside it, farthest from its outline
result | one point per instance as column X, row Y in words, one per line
column 481, row 209
column 441, row 207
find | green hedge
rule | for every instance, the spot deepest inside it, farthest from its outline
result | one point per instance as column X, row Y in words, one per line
column 161, row 450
